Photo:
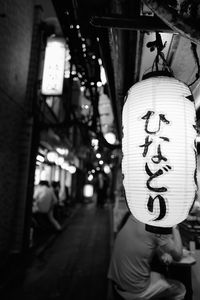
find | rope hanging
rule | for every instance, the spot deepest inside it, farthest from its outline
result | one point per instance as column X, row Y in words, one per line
column 194, row 51
column 160, row 57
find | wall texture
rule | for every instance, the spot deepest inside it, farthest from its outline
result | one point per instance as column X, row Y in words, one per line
column 16, row 25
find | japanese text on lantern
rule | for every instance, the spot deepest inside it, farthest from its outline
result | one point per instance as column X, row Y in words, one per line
column 155, row 139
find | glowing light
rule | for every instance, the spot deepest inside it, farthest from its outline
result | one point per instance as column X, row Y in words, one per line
column 62, row 151
column 88, row 190
column 65, row 166
column 82, row 88
column 60, row 160
column 110, row 137
column 106, row 169
column 54, row 67
column 95, row 142
column 90, row 177
column 40, row 158
column 98, row 155
column 72, row 169
column 43, row 175
column 159, row 159
column 52, row 156
column 57, row 174
column 103, row 75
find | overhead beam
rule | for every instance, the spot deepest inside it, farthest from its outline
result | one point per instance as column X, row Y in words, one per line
column 184, row 21
column 142, row 23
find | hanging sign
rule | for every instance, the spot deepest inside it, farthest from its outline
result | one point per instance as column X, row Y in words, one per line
column 54, row 65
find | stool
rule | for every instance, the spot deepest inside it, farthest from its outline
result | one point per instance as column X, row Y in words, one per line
column 117, row 296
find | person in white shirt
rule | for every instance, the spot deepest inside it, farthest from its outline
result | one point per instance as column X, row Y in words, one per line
column 44, row 202
column 130, row 266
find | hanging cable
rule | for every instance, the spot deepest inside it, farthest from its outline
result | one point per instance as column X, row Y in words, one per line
column 194, row 51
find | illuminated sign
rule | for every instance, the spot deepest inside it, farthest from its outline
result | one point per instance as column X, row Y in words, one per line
column 159, row 151
column 54, row 65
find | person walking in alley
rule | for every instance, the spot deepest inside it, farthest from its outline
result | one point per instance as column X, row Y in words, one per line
column 102, row 185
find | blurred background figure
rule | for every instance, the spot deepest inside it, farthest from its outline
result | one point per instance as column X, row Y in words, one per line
column 64, row 198
column 44, row 204
column 101, row 188
column 56, row 188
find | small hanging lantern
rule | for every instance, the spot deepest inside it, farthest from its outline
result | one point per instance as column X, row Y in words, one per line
column 159, row 152
column 88, row 190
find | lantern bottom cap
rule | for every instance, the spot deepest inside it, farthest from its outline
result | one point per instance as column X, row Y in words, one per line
column 158, row 230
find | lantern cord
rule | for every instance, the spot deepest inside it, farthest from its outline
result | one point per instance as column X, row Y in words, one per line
column 194, row 51
column 158, row 44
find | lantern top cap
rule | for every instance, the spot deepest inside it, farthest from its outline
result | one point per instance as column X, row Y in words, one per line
column 157, row 73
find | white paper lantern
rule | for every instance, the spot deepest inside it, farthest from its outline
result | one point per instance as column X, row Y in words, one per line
column 88, row 190
column 54, row 65
column 159, row 151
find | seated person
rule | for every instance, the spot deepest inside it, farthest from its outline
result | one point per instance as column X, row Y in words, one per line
column 130, row 266
column 194, row 214
column 56, row 187
column 44, row 202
